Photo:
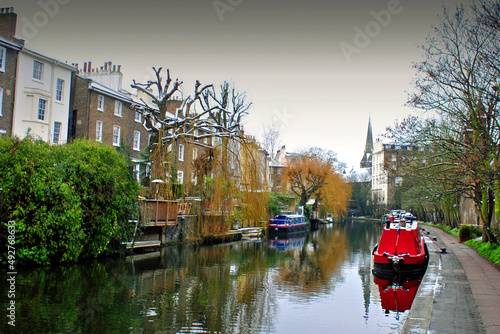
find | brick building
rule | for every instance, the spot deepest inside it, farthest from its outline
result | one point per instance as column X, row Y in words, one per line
column 9, row 49
column 102, row 111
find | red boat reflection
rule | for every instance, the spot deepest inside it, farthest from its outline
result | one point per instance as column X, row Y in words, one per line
column 397, row 293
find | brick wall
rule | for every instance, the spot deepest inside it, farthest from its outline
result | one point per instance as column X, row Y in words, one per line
column 8, row 82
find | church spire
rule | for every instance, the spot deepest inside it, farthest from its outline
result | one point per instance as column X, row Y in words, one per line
column 366, row 161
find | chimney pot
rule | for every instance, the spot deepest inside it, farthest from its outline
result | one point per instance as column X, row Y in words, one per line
column 119, row 68
column 114, row 68
column 105, row 66
column 89, row 67
column 85, row 67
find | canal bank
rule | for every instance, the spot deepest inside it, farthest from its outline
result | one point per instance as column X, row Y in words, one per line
column 460, row 292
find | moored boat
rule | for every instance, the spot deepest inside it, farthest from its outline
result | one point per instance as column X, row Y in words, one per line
column 287, row 224
column 401, row 248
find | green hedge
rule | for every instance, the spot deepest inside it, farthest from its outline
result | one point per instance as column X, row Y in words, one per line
column 69, row 202
column 467, row 232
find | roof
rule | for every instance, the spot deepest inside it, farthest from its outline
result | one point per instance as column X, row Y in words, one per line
column 110, row 92
column 54, row 60
column 10, row 44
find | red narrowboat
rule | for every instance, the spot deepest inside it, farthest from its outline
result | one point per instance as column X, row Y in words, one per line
column 401, row 248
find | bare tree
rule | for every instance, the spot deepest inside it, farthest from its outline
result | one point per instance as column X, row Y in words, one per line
column 457, row 87
column 271, row 139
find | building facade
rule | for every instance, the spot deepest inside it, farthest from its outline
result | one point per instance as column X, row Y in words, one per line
column 102, row 111
column 8, row 70
column 387, row 169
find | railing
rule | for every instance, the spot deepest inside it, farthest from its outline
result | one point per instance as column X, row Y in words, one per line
column 159, row 212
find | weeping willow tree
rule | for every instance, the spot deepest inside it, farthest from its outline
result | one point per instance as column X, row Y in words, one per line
column 253, row 195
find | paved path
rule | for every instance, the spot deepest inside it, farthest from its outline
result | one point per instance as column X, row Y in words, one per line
column 460, row 292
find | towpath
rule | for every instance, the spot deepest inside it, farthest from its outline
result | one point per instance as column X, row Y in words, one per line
column 460, row 292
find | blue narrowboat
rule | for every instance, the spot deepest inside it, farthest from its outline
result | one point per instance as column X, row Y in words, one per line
column 287, row 224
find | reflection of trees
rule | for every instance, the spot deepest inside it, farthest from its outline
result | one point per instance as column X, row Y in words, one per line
column 90, row 298
column 218, row 289
column 228, row 288
column 307, row 269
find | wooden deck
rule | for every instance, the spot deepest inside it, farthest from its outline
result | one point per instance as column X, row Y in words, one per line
column 159, row 212
column 142, row 244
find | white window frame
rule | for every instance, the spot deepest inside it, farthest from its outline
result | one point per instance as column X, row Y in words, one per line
column 117, row 131
column 59, row 89
column 42, row 111
column 181, row 152
column 180, row 177
column 138, row 117
column 100, row 102
column 137, row 172
column 1, row 101
column 37, row 72
column 118, row 108
column 195, row 153
column 3, row 58
column 137, row 141
column 56, row 140
column 98, row 131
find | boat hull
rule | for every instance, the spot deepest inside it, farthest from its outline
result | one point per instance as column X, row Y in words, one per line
column 287, row 224
column 401, row 249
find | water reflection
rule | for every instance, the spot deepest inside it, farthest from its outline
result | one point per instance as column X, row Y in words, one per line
column 397, row 292
column 320, row 283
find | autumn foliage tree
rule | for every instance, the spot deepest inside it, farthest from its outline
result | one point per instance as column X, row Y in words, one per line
column 313, row 175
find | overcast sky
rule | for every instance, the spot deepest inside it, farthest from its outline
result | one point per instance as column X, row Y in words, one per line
column 302, row 63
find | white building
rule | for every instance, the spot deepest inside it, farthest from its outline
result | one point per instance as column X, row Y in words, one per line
column 42, row 97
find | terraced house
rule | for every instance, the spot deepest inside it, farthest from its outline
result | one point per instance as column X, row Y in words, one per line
column 9, row 49
column 102, row 111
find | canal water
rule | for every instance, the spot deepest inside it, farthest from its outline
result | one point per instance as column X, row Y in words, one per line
column 316, row 283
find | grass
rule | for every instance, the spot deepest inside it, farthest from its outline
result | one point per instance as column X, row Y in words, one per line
column 447, row 229
column 486, row 250
column 489, row 251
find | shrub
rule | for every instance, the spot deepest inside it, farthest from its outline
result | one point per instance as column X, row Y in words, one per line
column 68, row 202
column 468, row 232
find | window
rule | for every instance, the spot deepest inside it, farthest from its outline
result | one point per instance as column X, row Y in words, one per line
column 59, row 89
column 118, row 108
column 37, row 70
column 195, row 153
column 180, row 177
column 138, row 117
column 100, row 103
column 181, row 152
column 116, row 135
column 98, row 131
column 57, row 133
column 1, row 101
column 42, row 109
column 194, row 178
column 137, row 140
column 137, row 172
column 3, row 57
